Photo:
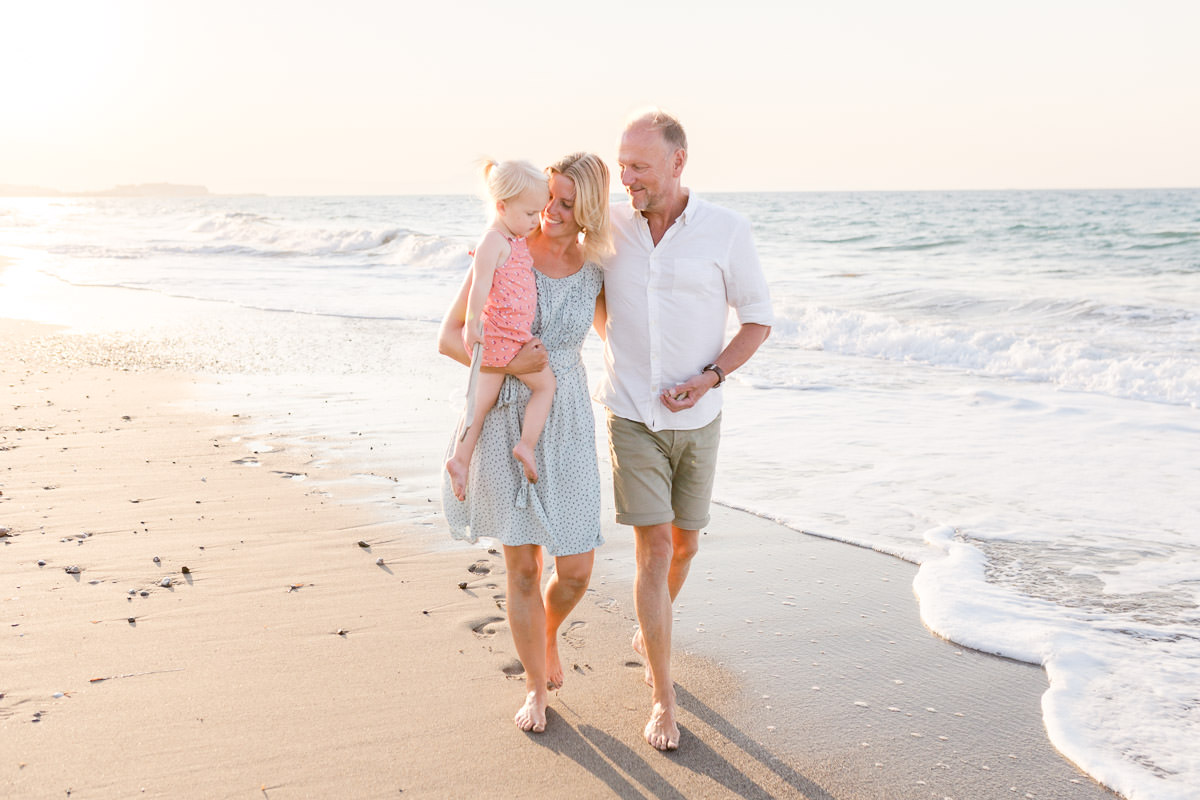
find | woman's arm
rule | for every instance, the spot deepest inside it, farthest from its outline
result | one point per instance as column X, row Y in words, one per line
column 450, row 334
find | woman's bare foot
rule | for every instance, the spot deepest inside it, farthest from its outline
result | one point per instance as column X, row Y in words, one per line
column 554, row 670
column 458, row 478
column 640, row 648
column 661, row 731
column 524, row 453
column 532, row 716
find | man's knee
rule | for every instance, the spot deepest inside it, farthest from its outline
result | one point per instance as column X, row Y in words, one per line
column 685, row 548
column 654, row 546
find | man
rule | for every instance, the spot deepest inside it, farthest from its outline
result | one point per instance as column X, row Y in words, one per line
column 681, row 264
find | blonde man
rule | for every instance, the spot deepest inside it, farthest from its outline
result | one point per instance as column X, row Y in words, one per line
column 681, row 264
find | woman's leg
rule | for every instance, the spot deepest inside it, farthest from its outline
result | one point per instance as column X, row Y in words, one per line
column 487, row 389
column 564, row 590
column 537, row 410
column 527, row 619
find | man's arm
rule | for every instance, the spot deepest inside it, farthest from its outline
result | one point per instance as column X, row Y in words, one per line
column 600, row 317
column 741, row 347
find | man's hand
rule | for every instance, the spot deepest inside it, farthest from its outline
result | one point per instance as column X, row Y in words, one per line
column 530, row 358
column 688, row 393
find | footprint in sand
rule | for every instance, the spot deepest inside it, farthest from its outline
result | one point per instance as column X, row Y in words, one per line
column 481, row 567
column 513, row 668
column 573, row 635
column 484, row 627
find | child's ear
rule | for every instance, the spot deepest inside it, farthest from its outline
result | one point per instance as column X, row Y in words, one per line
column 500, row 207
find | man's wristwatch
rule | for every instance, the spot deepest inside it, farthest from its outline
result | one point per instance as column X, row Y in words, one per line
column 720, row 373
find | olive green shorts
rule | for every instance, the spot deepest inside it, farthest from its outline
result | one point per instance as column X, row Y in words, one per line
column 663, row 476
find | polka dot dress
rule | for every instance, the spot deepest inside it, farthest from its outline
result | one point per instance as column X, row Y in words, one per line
column 561, row 512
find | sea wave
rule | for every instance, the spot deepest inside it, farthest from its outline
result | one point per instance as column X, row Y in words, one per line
column 1071, row 361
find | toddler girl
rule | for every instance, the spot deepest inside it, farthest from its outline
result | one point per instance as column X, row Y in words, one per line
column 500, row 308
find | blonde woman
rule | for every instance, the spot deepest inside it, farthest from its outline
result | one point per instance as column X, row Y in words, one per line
column 560, row 514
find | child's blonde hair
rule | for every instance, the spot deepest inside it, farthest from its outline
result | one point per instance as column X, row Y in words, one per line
column 505, row 180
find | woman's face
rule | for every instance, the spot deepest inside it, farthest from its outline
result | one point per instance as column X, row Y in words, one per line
column 558, row 217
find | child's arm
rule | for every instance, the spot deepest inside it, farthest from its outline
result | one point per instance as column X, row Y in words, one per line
column 489, row 254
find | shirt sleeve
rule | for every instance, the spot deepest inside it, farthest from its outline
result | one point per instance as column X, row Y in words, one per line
column 745, row 285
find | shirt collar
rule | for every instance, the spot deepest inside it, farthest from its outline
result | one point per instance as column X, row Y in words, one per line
column 685, row 216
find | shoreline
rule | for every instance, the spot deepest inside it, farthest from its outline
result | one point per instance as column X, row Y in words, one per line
column 234, row 680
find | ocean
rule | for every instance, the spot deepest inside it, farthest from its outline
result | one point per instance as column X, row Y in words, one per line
column 1001, row 387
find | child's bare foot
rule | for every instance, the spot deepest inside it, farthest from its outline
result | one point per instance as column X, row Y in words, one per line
column 554, row 670
column 458, row 478
column 532, row 715
column 640, row 647
column 524, row 453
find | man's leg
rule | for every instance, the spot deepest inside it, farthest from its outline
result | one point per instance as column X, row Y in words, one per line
column 684, row 546
column 652, row 600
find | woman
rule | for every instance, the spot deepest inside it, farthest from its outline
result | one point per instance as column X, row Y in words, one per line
column 561, row 512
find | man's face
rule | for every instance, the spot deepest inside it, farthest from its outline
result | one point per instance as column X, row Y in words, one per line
column 648, row 168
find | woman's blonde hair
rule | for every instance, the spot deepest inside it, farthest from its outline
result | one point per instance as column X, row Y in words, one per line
column 590, row 176
column 504, row 180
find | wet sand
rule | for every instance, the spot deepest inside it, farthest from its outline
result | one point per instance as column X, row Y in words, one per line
column 288, row 662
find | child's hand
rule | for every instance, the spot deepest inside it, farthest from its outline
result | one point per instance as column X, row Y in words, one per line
column 471, row 335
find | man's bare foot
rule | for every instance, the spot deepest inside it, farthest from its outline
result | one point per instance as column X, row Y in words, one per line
column 640, row 648
column 524, row 453
column 532, row 716
column 554, row 670
column 661, row 731
column 458, row 478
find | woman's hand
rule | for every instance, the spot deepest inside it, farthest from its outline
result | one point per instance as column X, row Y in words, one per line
column 530, row 358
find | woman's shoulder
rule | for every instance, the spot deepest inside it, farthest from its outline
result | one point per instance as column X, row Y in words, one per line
column 594, row 275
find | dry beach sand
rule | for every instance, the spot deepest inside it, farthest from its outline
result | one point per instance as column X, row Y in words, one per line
column 290, row 662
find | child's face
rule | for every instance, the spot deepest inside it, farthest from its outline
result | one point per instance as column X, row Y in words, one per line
column 522, row 214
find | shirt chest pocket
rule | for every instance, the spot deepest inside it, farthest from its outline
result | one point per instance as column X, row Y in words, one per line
column 697, row 277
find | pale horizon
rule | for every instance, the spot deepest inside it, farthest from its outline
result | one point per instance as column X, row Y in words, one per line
column 373, row 99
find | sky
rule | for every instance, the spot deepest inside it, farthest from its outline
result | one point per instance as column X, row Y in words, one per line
column 375, row 97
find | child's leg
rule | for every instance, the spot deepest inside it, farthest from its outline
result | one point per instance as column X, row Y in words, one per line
column 487, row 389
column 537, row 410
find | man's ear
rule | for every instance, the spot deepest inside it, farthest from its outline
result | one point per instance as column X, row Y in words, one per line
column 678, row 162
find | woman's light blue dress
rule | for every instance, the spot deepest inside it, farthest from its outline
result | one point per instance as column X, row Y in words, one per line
column 561, row 512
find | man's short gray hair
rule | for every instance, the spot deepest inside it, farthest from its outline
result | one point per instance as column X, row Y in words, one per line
column 666, row 124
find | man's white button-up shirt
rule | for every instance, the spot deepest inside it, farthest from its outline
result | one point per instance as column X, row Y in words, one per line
column 668, row 305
